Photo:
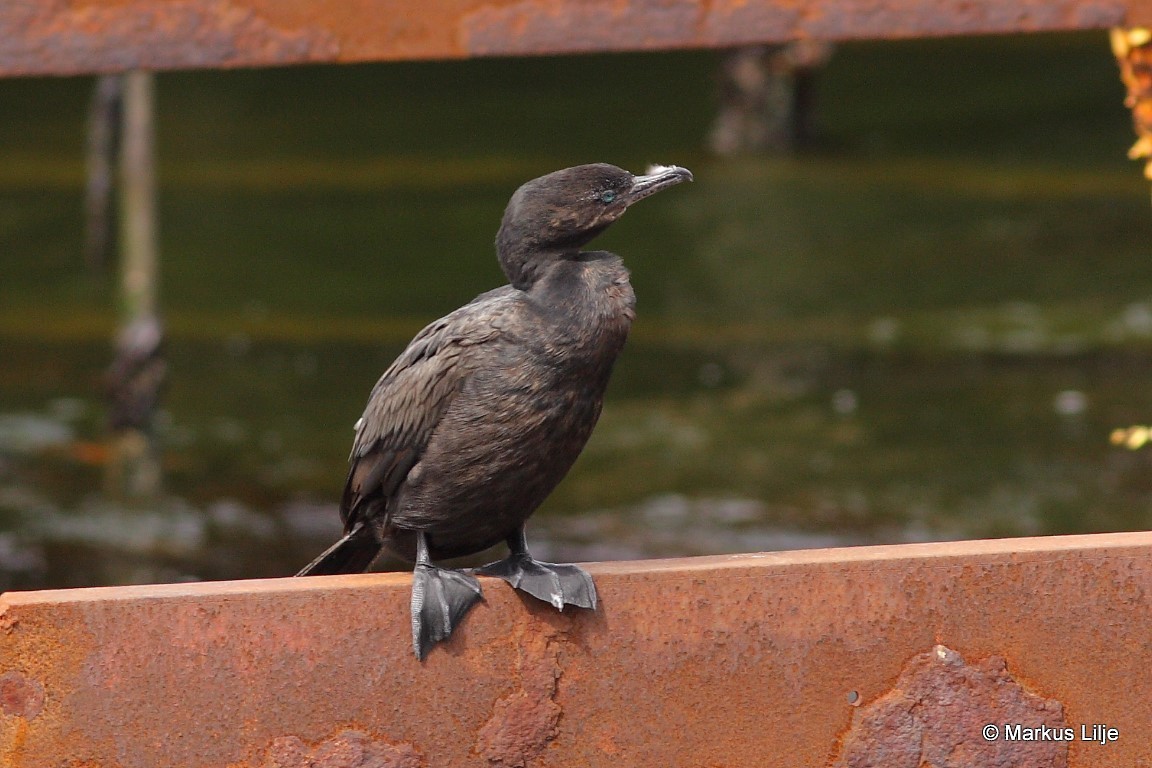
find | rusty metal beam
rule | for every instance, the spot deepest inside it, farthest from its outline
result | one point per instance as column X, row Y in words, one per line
column 882, row 656
column 81, row 36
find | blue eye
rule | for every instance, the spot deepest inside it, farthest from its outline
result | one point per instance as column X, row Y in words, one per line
column 607, row 196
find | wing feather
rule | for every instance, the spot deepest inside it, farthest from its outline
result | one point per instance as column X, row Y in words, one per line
column 409, row 400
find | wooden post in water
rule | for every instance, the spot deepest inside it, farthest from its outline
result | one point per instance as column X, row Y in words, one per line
column 138, row 198
column 136, row 376
column 102, row 144
column 766, row 97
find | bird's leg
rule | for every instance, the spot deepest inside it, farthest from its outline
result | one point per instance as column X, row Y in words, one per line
column 441, row 597
column 557, row 584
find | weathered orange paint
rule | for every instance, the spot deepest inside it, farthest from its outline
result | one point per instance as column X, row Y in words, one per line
column 745, row 660
column 79, row 36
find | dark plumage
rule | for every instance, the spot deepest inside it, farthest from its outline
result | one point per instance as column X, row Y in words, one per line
column 475, row 423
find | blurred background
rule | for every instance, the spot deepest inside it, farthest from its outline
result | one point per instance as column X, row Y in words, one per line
column 925, row 325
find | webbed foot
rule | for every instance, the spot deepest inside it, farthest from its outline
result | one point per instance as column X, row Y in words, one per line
column 441, row 598
column 559, row 585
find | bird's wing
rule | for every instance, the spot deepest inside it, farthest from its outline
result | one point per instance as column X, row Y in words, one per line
column 409, row 400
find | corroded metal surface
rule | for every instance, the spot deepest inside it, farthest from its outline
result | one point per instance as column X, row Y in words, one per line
column 74, row 36
column 937, row 705
column 751, row 660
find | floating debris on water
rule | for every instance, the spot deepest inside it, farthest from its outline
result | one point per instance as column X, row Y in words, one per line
column 32, row 433
column 1070, row 402
column 845, row 402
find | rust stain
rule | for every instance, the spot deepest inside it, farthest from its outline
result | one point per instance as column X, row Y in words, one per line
column 748, row 656
column 8, row 622
column 551, row 26
column 14, row 758
column 935, row 714
column 524, row 722
column 347, row 749
column 77, row 36
column 20, row 696
column 64, row 37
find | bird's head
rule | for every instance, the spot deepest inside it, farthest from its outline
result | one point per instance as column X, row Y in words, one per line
column 561, row 212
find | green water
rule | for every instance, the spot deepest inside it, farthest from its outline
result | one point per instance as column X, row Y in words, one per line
column 926, row 329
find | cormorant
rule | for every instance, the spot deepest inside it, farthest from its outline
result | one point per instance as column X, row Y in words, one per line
column 484, row 413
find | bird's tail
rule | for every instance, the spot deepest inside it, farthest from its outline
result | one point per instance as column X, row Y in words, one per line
column 352, row 554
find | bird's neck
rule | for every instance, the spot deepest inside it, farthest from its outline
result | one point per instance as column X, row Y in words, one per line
column 525, row 263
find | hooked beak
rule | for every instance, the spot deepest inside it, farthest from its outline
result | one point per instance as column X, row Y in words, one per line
column 658, row 177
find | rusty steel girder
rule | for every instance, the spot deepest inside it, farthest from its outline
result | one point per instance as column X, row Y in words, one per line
column 81, row 36
column 873, row 656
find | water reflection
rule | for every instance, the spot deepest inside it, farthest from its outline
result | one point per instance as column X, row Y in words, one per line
column 929, row 333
